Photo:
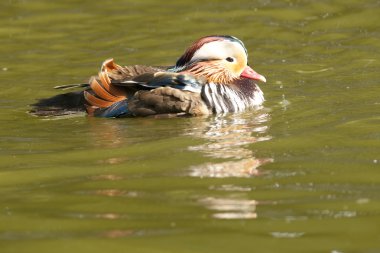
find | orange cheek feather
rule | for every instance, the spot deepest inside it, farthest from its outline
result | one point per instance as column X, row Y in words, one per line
column 238, row 68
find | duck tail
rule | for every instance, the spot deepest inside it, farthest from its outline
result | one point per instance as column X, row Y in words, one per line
column 62, row 104
column 72, row 86
column 99, row 94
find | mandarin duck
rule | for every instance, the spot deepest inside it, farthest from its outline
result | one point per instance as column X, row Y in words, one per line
column 212, row 76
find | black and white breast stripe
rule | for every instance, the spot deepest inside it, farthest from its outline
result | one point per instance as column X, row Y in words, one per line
column 222, row 98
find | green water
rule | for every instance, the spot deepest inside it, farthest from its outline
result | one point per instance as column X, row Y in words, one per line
column 299, row 175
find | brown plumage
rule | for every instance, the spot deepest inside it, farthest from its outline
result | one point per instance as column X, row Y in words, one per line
column 167, row 100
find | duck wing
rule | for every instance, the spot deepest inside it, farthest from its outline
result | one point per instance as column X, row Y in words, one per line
column 149, row 93
column 75, row 102
column 160, row 102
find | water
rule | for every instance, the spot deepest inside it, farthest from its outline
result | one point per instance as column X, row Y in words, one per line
column 299, row 175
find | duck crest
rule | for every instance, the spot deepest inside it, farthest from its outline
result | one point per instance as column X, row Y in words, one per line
column 189, row 53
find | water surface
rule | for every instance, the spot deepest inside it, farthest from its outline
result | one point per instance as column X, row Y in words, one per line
column 298, row 175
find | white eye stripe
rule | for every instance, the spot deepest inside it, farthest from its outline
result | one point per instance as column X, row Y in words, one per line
column 219, row 50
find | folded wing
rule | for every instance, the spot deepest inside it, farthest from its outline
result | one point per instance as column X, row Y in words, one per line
column 114, row 94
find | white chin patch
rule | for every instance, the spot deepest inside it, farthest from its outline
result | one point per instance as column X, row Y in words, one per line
column 219, row 50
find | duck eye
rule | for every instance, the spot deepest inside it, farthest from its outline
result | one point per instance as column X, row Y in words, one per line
column 229, row 59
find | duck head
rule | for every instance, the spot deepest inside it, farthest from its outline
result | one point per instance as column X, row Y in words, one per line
column 220, row 59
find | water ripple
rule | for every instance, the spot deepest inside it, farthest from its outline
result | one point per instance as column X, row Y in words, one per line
column 228, row 138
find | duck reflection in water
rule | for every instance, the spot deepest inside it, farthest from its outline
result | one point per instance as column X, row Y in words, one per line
column 228, row 138
column 228, row 141
column 230, row 208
